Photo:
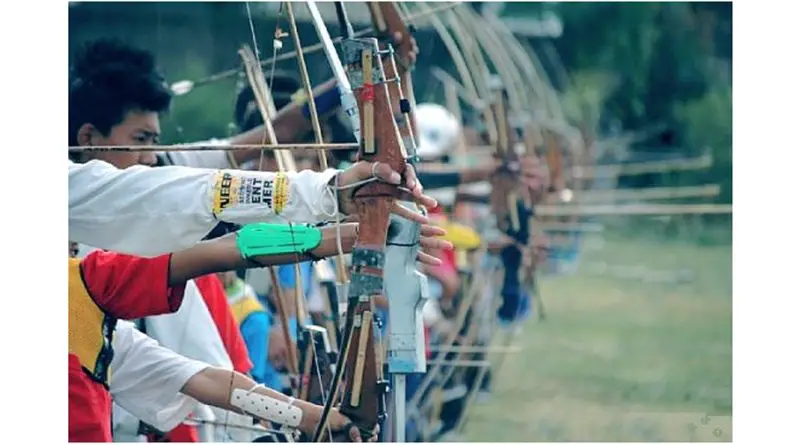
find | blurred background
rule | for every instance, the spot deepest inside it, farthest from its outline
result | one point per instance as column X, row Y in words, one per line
column 637, row 341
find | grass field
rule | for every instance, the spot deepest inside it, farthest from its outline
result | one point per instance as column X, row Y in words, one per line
column 619, row 359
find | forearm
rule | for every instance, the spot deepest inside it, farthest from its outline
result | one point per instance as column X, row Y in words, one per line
column 105, row 201
column 223, row 254
column 289, row 123
column 436, row 179
column 215, row 386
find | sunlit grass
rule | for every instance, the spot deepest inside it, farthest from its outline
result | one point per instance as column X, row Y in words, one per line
column 621, row 360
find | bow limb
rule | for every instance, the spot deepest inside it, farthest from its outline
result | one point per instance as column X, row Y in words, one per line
column 494, row 50
column 471, row 70
column 340, row 268
column 504, row 201
column 404, row 288
column 543, row 102
column 463, row 329
column 455, row 54
column 286, row 163
column 511, row 112
column 479, row 70
column 503, row 188
column 264, row 102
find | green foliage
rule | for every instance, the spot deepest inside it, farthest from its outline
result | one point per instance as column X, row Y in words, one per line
column 587, row 95
column 709, row 127
column 658, row 63
column 203, row 114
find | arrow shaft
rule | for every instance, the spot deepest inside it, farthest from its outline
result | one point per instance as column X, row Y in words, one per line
column 210, row 147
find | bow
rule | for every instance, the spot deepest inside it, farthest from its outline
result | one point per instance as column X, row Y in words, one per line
column 506, row 122
column 311, row 358
column 527, row 114
column 360, row 364
column 285, row 161
column 440, row 374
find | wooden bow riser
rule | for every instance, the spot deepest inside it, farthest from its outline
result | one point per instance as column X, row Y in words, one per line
column 364, row 388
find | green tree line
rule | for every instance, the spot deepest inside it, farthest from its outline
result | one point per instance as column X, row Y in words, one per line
column 665, row 64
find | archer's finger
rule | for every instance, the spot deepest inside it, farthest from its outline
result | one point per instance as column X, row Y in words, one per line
column 429, row 230
column 382, row 171
column 424, row 200
column 412, row 183
column 409, row 214
column 435, row 243
column 428, row 259
column 355, row 436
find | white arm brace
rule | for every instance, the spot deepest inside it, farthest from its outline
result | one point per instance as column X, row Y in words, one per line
column 266, row 408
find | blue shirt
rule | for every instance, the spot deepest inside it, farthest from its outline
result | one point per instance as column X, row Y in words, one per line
column 286, row 276
column 255, row 329
column 270, row 376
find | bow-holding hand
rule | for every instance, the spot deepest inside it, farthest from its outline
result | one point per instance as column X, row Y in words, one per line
column 363, row 172
column 340, row 425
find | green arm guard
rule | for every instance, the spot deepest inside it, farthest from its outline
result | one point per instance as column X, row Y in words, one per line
column 277, row 239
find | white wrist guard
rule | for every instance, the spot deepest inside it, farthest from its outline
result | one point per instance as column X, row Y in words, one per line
column 266, row 408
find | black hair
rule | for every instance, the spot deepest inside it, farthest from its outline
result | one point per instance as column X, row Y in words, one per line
column 108, row 79
column 283, row 86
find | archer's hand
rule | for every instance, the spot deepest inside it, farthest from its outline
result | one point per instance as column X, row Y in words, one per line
column 541, row 248
column 412, row 54
column 341, row 424
column 411, row 190
column 536, row 252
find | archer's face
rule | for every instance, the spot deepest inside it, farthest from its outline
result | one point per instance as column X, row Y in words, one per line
column 138, row 128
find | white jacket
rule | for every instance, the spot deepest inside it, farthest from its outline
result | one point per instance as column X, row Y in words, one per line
column 150, row 211
column 147, row 379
